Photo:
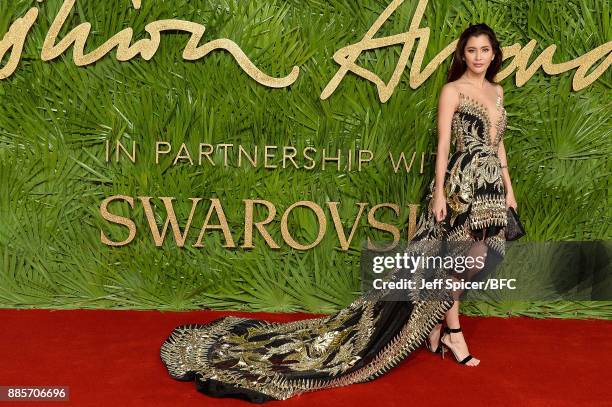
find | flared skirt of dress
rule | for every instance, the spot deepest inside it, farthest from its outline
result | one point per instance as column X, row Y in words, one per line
column 258, row 360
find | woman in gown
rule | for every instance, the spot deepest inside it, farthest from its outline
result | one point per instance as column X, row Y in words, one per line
column 467, row 201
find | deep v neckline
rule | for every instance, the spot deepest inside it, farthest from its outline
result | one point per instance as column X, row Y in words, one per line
column 487, row 116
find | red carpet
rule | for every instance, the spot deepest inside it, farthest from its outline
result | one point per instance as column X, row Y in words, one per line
column 111, row 358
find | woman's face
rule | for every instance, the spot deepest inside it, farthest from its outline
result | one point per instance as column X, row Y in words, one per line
column 478, row 53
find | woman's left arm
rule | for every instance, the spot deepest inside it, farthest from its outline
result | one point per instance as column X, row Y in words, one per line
column 501, row 153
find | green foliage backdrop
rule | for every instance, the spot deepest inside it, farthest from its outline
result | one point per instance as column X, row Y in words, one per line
column 55, row 118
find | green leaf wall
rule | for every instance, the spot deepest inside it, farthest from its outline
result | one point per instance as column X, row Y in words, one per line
column 55, row 118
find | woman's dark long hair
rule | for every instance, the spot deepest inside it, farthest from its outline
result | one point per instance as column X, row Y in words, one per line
column 458, row 66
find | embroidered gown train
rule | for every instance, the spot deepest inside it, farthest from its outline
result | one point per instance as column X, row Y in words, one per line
column 260, row 361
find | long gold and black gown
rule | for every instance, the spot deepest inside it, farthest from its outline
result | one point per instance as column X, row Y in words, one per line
column 260, row 361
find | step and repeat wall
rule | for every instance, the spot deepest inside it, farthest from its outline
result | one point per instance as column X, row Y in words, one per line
column 239, row 154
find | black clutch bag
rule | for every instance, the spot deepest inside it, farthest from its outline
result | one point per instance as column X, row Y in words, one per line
column 514, row 229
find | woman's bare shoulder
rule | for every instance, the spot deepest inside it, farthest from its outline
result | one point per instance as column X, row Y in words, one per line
column 455, row 85
column 449, row 92
column 500, row 89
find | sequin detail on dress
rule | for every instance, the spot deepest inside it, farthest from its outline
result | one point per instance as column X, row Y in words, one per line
column 473, row 186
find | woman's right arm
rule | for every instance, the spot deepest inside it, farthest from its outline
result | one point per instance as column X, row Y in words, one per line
column 449, row 99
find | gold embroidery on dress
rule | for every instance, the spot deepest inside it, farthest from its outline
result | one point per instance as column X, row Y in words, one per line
column 187, row 350
column 473, row 181
column 269, row 358
column 488, row 210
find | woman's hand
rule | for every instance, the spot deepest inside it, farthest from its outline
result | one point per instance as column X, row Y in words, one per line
column 439, row 207
column 510, row 200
